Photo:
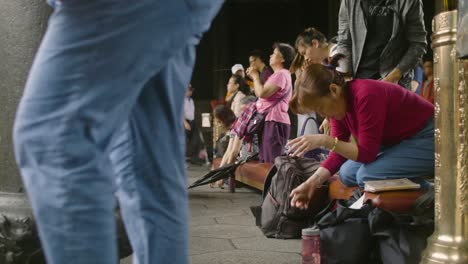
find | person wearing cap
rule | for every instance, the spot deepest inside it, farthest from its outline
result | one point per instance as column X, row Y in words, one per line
column 394, row 128
column 273, row 97
column 238, row 69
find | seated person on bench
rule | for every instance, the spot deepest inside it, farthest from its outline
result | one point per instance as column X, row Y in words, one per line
column 393, row 128
column 236, row 146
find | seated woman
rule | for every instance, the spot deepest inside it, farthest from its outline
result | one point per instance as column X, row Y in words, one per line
column 393, row 128
column 273, row 97
column 236, row 146
column 224, row 117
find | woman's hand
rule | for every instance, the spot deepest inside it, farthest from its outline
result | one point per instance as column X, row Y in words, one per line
column 302, row 194
column 306, row 63
column 325, row 127
column 187, row 125
column 393, row 77
column 301, row 145
column 252, row 73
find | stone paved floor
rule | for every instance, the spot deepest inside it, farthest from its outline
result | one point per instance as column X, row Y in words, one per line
column 222, row 229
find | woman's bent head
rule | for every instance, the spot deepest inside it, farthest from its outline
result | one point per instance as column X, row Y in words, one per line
column 321, row 89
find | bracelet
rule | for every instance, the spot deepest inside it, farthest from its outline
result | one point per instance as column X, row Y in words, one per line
column 319, row 180
column 334, row 144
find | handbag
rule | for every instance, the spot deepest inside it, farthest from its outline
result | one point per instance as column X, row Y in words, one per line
column 257, row 121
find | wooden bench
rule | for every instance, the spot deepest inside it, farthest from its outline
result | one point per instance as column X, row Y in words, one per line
column 254, row 173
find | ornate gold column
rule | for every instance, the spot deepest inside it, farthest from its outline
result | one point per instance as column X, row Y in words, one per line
column 449, row 243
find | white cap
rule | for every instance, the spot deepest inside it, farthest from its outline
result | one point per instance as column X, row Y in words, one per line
column 236, row 68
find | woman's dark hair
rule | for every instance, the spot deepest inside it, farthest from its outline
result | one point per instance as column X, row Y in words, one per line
column 305, row 37
column 224, row 114
column 287, row 51
column 243, row 87
column 308, row 35
column 258, row 54
column 315, row 82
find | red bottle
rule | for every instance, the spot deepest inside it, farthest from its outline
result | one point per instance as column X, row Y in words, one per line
column 311, row 245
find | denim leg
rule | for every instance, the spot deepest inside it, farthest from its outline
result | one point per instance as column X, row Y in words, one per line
column 412, row 158
column 86, row 80
column 149, row 160
column 348, row 172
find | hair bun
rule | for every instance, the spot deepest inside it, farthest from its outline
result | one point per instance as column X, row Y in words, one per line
column 334, row 61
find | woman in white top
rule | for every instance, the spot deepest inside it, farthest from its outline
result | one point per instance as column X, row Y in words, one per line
column 239, row 89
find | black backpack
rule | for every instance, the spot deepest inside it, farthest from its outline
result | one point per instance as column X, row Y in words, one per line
column 275, row 217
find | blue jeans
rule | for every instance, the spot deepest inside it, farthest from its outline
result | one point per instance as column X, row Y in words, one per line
column 412, row 158
column 102, row 114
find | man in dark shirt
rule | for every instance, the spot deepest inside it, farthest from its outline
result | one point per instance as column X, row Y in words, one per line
column 378, row 17
column 256, row 61
column 383, row 39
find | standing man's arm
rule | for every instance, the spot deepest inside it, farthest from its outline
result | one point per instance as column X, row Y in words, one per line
column 344, row 45
column 415, row 33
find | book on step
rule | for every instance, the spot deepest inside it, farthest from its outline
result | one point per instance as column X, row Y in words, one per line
column 390, row 185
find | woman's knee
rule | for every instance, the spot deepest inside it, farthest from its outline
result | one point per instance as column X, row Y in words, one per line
column 348, row 173
column 365, row 173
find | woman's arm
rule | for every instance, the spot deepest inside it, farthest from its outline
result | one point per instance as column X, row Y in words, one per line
column 264, row 91
column 348, row 150
column 261, row 91
column 301, row 195
column 232, row 151
column 225, row 158
column 301, row 145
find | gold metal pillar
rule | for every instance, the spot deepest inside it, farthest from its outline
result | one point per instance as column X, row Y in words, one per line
column 449, row 243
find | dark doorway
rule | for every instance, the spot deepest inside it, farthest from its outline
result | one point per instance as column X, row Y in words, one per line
column 243, row 26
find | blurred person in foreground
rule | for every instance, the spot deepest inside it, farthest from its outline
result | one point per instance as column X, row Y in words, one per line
column 100, row 115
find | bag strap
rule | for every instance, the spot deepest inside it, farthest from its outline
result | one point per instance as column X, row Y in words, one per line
column 305, row 124
column 277, row 102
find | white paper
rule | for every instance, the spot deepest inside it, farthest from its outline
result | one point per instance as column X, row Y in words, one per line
column 206, row 120
column 358, row 204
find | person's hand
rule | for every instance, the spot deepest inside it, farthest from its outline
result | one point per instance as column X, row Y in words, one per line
column 393, row 77
column 306, row 63
column 325, row 127
column 302, row 194
column 253, row 73
column 301, row 145
column 187, row 125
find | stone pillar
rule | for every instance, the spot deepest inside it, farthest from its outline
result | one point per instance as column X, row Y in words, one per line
column 22, row 24
column 449, row 243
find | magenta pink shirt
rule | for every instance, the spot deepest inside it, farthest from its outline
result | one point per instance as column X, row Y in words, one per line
column 378, row 114
column 278, row 113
